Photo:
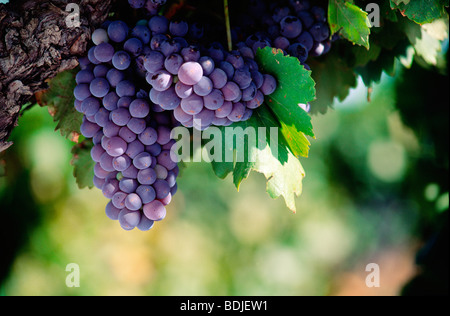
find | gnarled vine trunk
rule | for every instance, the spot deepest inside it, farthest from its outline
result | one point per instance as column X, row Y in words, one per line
column 37, row 41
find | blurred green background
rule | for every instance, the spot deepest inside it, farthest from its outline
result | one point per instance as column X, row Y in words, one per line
column 376, row 191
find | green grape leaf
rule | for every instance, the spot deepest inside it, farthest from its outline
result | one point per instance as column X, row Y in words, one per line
column 421, row 11
column 83, row 165
column 295, row 87
column 59, row 100
column 259, row 145
column 350, row 21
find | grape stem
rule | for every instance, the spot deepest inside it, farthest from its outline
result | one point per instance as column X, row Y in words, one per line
column 228, row 25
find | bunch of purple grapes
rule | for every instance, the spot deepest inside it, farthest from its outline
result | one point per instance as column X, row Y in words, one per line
column 203, row 86
column 297, row 27
column 134, row 166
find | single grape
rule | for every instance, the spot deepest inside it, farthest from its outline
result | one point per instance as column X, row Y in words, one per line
column 121, row 60
column 99, row 36
column 99, row 87
column 118, row 31
column 190, row 73
column 104, row 52
column 155, row 210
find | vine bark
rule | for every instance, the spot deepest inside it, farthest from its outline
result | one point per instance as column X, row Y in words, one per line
column 36, row 43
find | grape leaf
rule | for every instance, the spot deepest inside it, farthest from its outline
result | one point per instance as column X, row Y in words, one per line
column 350, row 21
column 83, row 164
column 295, row 86
column 421, row 11
column 59, row 99
column 269, row 154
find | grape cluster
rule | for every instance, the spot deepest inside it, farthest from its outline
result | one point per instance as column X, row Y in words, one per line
column 297, row 27
column 133, row 164
column 138, row 82
column 203, row 86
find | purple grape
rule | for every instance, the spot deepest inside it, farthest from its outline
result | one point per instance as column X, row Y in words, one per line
column 116, row 146
column 99, row 87
column 306, row 40
column 269, row 85
column 158, row 24
column 82, row 92
column 128, row 219
column 128, row 185
column 100, row 71
column 155, row 210
column 168, row 99
column 182, row 90
column 237, row 112
column 134, row 148
column 192, row 104
column 142, row 160
column 231, row 91
column 121, row 60
column 136, row 125
column 160, row 80
column 121, row 163
column 320, row 32
column 102, row 117
column 146, row 176
column 162, row 189
column 126, row 88
column 146, row 193
column 163, row 135
column 84, row 76
column 89, row 129
column 148, row 136
column 139, row 108
column 165, row 160
column 118, row 199
column 145, row 224
column 120, row 116
column 173, row 63
column 180, row 115
column 111, row 129
column 160, row 172
column 142, row 32
column 299, row 51
column 214, row 100
column 127, row 135
column 219, row 78
column 178, row 28
column 204, row 119
column 112, row 212
column 224, row 110
column 99, row 36
column 131, row 172
column 90, row 106
column 96, row 152
column 100, row 172
column 190, row 73
column 118, row 31
column 114, row 76
column 104, row 52
column 243, row 78
column 133, row 202
column 256, row 102
column 110, row 188
column 133, row 46
column 291, row 26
